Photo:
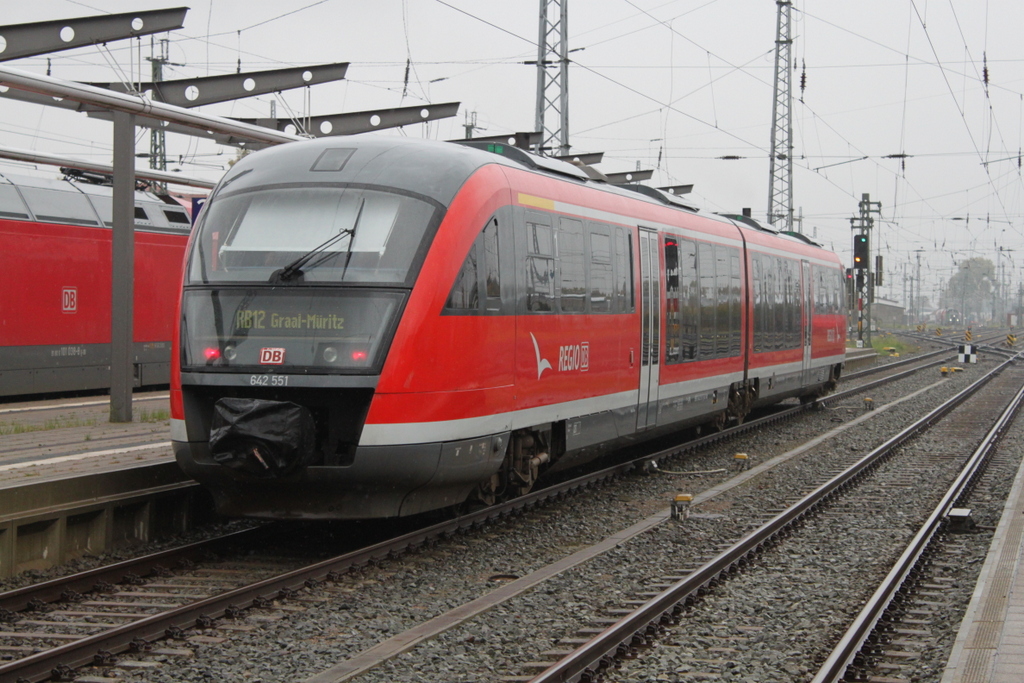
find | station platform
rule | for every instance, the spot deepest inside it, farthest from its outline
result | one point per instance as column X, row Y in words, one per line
column 42, row 439
column 989, row 647
column 72, row 483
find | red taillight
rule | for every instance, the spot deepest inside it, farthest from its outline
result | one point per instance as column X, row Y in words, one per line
column 212, row 353
column 359, row 356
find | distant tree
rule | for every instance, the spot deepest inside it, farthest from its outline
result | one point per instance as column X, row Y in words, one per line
column 240, row 154
column 969, row 290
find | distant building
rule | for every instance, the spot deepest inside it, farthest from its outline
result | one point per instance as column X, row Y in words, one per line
column 887, row 314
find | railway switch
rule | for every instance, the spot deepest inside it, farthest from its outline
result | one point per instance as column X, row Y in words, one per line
column 681, row 506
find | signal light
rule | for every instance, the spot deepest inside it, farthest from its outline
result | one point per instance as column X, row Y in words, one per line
column 860, row 251
column 359, row 356
column 212, row 353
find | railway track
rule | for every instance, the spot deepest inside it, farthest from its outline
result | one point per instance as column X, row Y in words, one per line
column 623, row 638
column 148, row 627
column 868, row 645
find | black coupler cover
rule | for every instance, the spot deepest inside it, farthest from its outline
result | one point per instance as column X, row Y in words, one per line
column 262, row 438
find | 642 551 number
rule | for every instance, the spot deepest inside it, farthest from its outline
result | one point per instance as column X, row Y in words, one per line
column 268, row 380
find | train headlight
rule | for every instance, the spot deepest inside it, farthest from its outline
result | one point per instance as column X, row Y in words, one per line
column 230, row 353
column 330, row 354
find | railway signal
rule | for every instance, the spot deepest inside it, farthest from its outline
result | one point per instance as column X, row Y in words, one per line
column 860, row 251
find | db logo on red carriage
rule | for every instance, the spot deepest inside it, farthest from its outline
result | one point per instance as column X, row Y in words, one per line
column 271, row 356
column 69, row 299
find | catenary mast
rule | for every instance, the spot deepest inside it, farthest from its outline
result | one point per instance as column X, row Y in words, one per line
column 780, row 175
column 553, row 77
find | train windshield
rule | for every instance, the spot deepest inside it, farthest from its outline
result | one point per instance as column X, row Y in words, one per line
column 315, row 234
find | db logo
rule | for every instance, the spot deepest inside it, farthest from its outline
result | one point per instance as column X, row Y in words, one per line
column 271, row 356
column 69, row 299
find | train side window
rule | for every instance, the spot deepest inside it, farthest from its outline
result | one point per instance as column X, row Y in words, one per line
column 758, row 308
column 491, row 271
column 780, row 278
column 479, row 279
column 723, row 302
column 465, row 294
column 769, row 268
column 706, row 270
column 770, row 275
column 571, row 266
column 54, row 206
column 689, row 289
column 673, row 309
column 601, row 274
column 735, row 312
column 840, row 281
column 796, row 310
column 785, row 317
column 792, row 304
column 11, row 205
column 821, row 294
column 624, row 297
column 540, row 268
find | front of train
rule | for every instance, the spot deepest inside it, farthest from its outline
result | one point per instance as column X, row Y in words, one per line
column 297, row 276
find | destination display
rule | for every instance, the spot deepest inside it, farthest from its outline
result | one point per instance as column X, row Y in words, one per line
column 296, row 330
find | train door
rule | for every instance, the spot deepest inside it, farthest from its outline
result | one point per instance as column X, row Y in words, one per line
column 808, row 318
column 650, row 333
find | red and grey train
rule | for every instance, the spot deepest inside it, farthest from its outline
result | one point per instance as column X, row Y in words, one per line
column 380, row 327
column 55, row 292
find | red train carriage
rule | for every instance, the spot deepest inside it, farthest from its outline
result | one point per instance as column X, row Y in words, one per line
column 55, row 292
column 382, row 327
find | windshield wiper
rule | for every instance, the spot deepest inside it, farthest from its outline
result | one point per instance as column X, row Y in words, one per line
column 295, row 268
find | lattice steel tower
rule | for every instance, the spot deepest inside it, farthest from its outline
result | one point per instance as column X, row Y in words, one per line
column 780, row 176
column 157, row 144
column 553, row 77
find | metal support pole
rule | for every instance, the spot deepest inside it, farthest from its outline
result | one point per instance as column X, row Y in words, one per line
column 780, row 170
column 552, row 106
column 122, row 269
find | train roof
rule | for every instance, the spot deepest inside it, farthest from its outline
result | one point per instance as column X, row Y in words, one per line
column 433, row 169
column 52, row 200
column 65, row 184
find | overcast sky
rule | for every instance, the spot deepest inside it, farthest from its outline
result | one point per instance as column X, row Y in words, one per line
column 671, row 85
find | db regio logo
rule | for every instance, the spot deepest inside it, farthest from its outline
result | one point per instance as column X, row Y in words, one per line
column 69, row 300
column 574, row 357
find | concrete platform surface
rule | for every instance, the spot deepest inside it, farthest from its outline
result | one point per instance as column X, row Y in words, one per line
column 59, row 438
column 990, row 645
